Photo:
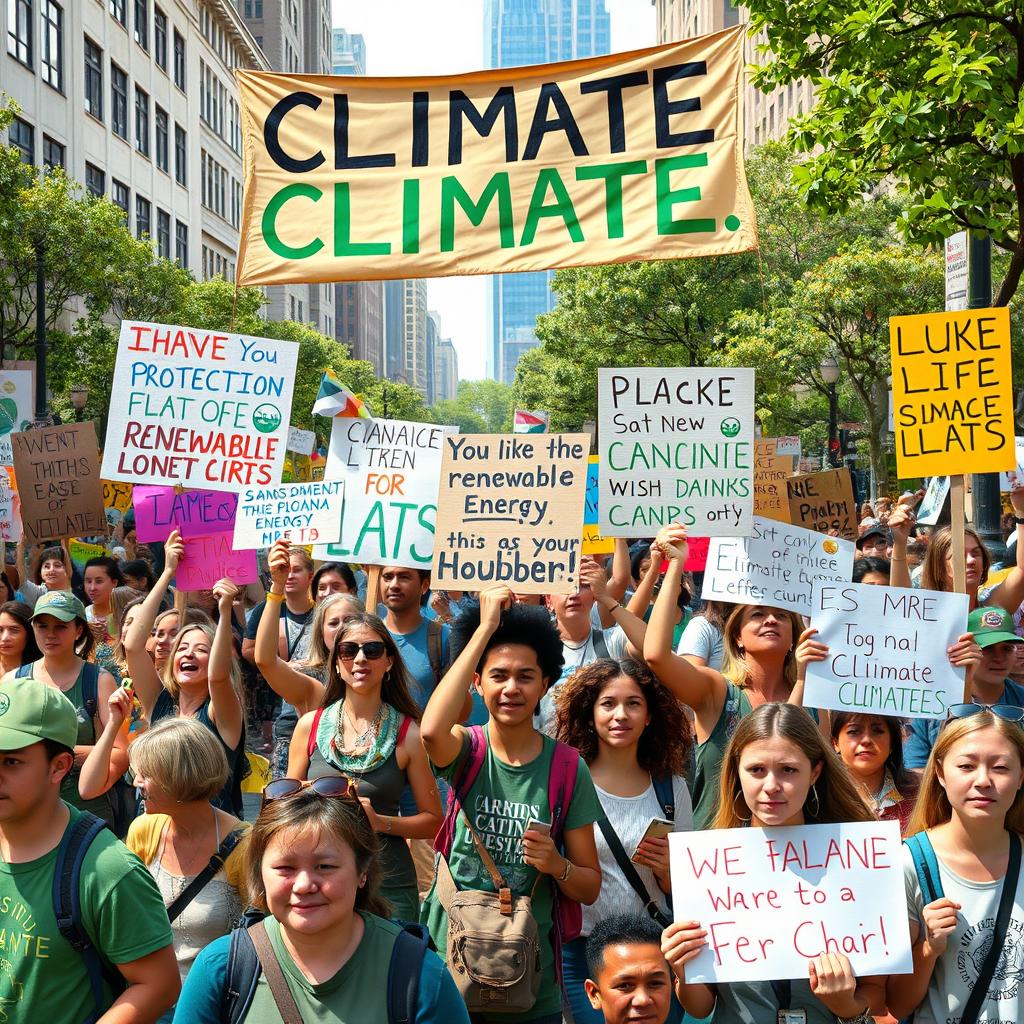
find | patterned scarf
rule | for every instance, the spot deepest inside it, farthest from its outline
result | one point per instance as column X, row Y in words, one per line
column 358, row 762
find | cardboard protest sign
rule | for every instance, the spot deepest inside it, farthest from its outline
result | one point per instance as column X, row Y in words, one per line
column 824, row 502
column 391, row 470
column 934, row 501
column 210, row 558
column 771, row 471
column 677, row 446
column 306, row 513
column 771, row 899
column 952, row 388
column 511, row 511
column 57, row 469
column 80, row 552
column 887, row 650
column 15, row 408
column 301, row 441
column 198, row 408
column 593, row 542
column 612, row 158
column 776, row 565
column 1014, row 477
column 158, row 510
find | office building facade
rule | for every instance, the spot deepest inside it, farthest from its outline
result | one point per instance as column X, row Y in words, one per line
column 348, row 53
column 446, row 371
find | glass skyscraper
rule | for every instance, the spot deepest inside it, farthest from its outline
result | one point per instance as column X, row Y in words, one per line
column 518, row 32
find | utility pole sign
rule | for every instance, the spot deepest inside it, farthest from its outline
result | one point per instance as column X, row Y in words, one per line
column 958, row 263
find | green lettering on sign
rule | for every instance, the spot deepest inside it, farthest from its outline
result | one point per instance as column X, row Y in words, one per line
column 452, row 192
column 549, row 178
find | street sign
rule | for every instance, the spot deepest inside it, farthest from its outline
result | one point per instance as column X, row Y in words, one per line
column 958, row 261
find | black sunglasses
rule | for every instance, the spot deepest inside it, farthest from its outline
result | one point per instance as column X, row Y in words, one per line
column 1008, row 712
column 372, row 650
column 334, row 786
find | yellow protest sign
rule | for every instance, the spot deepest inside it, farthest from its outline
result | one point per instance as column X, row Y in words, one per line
column 770, row 472
column 623, row 157
column 952, row 393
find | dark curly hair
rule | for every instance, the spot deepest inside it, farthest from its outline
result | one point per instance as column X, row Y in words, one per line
column 529, row 625
column 664, row 745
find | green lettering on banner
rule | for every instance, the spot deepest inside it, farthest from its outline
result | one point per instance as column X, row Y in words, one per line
column 343, row 244
column 669, row 197
column 270, row 235
column 612, row 175
column 452, row 192
column 562, row 206
column 411, row 215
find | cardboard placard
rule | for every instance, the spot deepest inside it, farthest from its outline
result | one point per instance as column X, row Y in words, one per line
column 195, row 513
column 771, row 471
column 511, row 511
column 824, row 502
column 771, row 899
column 887, row 650
column 211, row 558
column 117, row 495
column 676, row 446
column 199, row 408
column 776, row 566
column 306, row 513
column 58, row 475
column 16, row 413
column 593, row 542
column 300, row 441
column 952, row 388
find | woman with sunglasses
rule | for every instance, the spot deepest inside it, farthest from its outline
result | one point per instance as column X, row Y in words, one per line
column 366, row 730
column 965, row 830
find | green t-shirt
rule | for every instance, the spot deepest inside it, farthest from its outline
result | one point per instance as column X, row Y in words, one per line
column 499, row 804
column 41, row 977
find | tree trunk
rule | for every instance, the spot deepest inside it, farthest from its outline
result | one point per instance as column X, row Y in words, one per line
column 878, row 434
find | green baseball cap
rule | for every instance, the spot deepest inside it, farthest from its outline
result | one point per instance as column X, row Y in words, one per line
column 31, row 711
column 992, row 626
column 61, row 604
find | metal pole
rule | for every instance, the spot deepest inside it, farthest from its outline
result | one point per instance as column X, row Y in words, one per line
column 40, row 330
column 833, row 427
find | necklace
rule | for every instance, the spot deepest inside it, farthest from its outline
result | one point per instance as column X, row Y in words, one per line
column 363, row 739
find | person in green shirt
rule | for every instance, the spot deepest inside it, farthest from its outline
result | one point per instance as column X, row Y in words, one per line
column 42, row 977
column 511, row 652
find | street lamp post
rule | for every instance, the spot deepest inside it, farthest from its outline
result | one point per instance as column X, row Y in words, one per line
column 79, row 395
column 830, row 375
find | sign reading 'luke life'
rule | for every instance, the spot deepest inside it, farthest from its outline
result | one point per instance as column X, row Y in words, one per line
column 677, row 446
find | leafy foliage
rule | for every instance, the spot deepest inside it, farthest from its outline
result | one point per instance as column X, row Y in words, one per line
column 479, row 407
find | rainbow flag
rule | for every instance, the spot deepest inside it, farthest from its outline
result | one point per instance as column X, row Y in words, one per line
column 334, row 399
column 526, row 422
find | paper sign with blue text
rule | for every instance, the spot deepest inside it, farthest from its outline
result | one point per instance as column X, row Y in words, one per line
column 306, row 513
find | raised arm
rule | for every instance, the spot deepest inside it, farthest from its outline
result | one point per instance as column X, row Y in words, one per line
column 618, row 582
column 101, row 768
column 643, row 596
column 225, row 706
column 593, row 576
column 901, row 522
column 1010, row 595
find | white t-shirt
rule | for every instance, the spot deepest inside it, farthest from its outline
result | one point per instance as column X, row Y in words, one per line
column 703, row 640
column 629, row 817
column 956, row 971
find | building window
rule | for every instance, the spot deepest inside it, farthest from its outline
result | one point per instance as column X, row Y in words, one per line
column 22, row 136
column 93, row 79
column 19, row 30
column 121, row 196
column 53, row 153
column 181, row 244
column 142, row 23
column 179, row 60
column 163, row 234
column 51, row 44
column 118, row 101
column 254, row 8
column 142, row 216
column 160, row 38
column 119, row 9
column 180, row 156
column 142, row 121
column 95, row 180
column 162, row 140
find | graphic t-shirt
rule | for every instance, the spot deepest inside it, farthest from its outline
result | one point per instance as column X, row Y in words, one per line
column 956, row 971
column 41, row 977
column 499, row 804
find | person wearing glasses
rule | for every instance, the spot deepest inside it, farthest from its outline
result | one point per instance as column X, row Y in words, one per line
column 367, row 729
column 962, row 870
column 313, row 866
column 993, row 632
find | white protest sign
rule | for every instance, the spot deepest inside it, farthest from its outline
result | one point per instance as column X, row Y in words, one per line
column 1009, row 480
column 10, row 513
column 776, row 565
column 773, row 898
column 676, row 446
column 15, row 409
column 788, row 445
column 886, row 650
column 307, row 513
column 301, row 441
column 198, row 408
column 934, row 500
column 391, row 470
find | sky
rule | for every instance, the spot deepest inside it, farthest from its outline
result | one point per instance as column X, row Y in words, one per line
column 434, row 37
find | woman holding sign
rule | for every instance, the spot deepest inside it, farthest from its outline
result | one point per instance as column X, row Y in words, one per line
column 758, row 666
column 778, row 772
column 962, row 870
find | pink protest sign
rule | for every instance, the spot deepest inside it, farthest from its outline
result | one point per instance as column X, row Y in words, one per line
column 211, row 558
column 697, row 553
column 158, row 510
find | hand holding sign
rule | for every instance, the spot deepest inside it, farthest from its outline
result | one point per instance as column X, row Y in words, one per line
column 174, row 551
column 671, row 541
column 279, row 563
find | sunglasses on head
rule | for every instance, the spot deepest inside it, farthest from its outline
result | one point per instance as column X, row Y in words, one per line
column 1008, row 712
column 372, row 650
column 336, row 786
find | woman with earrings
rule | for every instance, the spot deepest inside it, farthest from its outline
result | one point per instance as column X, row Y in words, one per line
column 962, row 870
column 758, row 667
column 779, row 772
column 366, row 729
column 635, row 738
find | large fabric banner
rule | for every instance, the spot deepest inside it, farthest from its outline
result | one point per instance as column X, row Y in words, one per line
column 634, row 156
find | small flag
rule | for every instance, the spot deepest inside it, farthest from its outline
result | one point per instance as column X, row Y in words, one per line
column 527, row 422
column 335, row 399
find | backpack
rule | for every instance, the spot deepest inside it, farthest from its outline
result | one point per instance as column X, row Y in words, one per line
column 403, row 983
column 67, row 909
column 435, row 650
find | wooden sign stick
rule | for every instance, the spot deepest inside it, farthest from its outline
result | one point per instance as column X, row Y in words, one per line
column 956, row 526
column 372, row 588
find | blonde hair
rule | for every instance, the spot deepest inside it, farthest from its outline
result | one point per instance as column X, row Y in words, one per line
column 932, row 806
column 182, row 757
column 934, row 574
column 319, row 656
column 171, row 684
column 734, row 664
column 121, row 600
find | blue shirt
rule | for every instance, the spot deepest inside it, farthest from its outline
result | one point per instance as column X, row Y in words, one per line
column 923, row 731
column 413, row 648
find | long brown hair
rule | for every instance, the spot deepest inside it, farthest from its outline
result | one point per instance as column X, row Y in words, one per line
column 934, row 574
column 838, row 797
column 394, row 690
column 933, row 807
column 309, row 812
column 734, row 663
column 664, row 745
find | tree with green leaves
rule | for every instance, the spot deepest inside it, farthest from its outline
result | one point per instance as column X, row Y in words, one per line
column 479, row 407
